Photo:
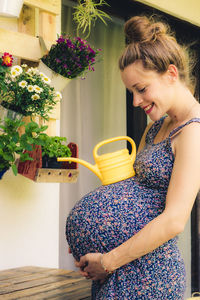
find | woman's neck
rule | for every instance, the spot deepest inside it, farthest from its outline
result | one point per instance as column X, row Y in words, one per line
column 185, row 107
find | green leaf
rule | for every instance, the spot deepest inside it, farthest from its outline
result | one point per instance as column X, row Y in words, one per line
column 30, row 140
column 14, row 168
column 15, row 137
column 8, row 157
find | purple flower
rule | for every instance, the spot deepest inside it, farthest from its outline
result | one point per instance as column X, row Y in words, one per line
column 60, row 40
column 91, row 50
column 69, row 43
column 80, row 40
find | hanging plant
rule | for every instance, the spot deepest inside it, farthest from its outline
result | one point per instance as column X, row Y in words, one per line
column 86, row 14
column 71, row 57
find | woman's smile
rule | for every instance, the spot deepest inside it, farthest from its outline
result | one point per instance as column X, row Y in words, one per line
column 148, row 109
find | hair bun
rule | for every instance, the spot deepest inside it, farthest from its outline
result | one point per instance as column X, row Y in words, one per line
column 140, row 29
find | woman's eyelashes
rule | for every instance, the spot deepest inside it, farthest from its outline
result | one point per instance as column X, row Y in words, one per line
column 143, row 90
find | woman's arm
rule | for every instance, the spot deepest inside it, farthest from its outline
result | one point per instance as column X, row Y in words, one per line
column 183, row 188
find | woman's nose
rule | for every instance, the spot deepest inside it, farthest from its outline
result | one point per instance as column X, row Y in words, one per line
column 137, row 100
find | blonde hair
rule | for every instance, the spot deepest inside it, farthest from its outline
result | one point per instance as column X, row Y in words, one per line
column 157, row 48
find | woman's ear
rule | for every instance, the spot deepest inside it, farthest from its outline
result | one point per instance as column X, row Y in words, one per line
column 172, row 73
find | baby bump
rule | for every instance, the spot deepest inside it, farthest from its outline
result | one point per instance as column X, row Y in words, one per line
column 108, row 216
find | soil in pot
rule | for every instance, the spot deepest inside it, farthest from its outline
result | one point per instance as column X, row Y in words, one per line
column 51, row 163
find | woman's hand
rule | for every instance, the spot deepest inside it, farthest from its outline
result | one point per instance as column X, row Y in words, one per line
column 91, row 267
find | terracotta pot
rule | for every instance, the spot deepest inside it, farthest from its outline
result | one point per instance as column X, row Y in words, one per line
column 58, row 81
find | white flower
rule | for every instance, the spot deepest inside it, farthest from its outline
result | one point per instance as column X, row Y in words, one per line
column 14, row 73
column 38, row 89
column 24, row 66
column 30, row 88
column 46, row 79
column 8, row 81
column 32, row 71
column 35, row 97
column 17, row 70
column 23, row 84
column 42, row 74
column 58, row 95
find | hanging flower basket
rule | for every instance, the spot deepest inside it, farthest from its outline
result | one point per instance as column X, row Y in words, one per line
column 58, row 82
column 11, row 8
column 68, row 57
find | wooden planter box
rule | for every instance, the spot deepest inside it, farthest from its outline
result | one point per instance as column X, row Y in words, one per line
column 34, row 171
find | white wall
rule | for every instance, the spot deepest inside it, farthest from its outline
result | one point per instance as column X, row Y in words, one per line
column 29, row 222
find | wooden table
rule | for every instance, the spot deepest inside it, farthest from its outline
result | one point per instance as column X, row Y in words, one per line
column 43, row 283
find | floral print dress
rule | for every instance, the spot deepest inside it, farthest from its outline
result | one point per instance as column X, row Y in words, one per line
column 108, row 216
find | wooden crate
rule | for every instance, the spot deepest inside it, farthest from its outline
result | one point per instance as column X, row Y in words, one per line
column 56, row 175
column 34, row 171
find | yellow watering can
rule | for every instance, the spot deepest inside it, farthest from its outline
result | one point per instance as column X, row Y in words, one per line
column 110, row 167
column 194, row 296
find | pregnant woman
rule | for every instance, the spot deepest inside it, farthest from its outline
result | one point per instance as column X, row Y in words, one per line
column 123, row 236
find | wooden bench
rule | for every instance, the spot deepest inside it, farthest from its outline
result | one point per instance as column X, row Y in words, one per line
column 43, row 283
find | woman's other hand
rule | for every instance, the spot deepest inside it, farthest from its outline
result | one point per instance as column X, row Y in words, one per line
column 91, row 267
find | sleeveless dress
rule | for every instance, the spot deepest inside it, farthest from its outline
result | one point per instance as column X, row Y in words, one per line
column 111, row 214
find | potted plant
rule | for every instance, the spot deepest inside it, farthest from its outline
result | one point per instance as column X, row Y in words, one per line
column 53, row 147
column 67, row 59
column 13, row 146
column 86, row 14
column 28, row 92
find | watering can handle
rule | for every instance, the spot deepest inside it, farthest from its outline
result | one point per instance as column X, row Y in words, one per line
column 118, row 138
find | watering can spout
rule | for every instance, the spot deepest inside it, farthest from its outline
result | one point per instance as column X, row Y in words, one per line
column 93, row 168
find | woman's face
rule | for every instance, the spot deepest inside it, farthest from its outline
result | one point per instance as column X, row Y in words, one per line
column 152, row 91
